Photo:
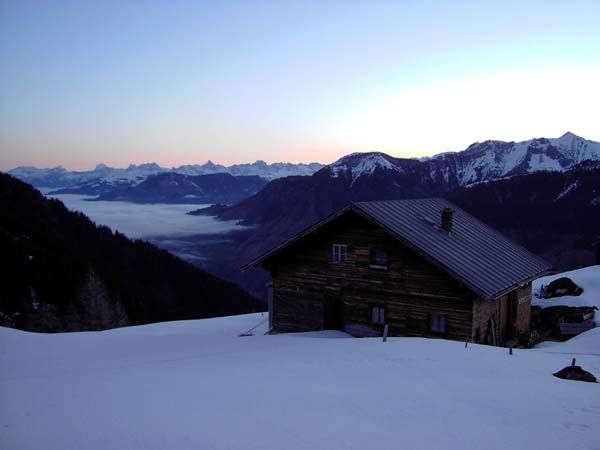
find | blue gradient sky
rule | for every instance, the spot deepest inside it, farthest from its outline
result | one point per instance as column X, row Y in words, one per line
column 181, row 82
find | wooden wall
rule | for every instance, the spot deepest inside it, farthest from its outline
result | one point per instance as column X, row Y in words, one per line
column 497, row 313
column 524, row 308
column 306, row 282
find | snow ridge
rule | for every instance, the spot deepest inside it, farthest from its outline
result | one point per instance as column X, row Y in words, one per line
column 495, row 159
column 489, row 160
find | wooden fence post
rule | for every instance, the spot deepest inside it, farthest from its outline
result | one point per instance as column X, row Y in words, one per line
column 386, row 328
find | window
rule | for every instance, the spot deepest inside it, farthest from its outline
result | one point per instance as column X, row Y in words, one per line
column 378, row 315
column 339, row 253
column 437, row 323
column 379, row 258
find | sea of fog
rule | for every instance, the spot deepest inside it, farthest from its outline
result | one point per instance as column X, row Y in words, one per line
column 167, row 226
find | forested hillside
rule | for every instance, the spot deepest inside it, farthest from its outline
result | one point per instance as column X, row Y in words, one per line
column 62, row 272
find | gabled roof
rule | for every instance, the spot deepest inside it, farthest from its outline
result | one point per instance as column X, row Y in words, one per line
column 473, row 253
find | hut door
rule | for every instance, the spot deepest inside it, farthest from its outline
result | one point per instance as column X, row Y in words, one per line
column 511, row 315
column 332, row 319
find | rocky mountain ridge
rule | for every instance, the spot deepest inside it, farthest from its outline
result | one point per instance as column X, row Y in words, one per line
column 483, row 161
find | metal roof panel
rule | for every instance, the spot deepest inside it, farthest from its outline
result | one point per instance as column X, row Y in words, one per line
column 480, row 256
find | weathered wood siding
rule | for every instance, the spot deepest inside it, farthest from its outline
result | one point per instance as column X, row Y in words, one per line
column 306, row 282
column 497, row 312
column 524, row 308
column 485, row 317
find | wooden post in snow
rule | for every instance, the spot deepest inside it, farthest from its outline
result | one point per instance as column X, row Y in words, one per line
column 386, row 329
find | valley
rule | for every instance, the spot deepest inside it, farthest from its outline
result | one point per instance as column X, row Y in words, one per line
column 256, row 225
column 165, row 225
column 63, row 272
column 543, row 193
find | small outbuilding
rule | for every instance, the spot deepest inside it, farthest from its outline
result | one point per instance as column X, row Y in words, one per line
column 422, row 266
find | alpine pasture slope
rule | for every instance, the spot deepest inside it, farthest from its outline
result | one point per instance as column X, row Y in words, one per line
column 198, row 385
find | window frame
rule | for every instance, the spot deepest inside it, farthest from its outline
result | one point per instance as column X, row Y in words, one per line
column 374, row 263
column 341, row 255
column 377, row 315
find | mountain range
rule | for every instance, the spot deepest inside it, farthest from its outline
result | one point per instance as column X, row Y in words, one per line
column 544, row 193
column 435, row 175
column 104, row 179
column 483, row 161
column 171, row 187
column 378, row 176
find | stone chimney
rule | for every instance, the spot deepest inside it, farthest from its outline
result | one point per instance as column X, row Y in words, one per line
column 447, row 218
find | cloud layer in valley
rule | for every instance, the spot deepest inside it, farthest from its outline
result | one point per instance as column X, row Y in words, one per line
column 166, row 226
column 147, row 221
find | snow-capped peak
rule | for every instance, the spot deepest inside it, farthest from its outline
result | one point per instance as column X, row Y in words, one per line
column 496, row 159
column 569, row 135
column 149, row 166
column 360, row 164
column 567, row 140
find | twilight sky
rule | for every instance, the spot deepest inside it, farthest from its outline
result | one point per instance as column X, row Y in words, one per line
column 179, row 82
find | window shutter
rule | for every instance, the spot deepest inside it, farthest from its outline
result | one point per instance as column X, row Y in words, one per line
column 378, row 315
column 437, row 323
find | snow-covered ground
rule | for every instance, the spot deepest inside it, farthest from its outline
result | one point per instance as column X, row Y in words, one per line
column 197, row 385
column 588, row 278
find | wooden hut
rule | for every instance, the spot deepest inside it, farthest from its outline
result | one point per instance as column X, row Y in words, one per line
column 424, row 267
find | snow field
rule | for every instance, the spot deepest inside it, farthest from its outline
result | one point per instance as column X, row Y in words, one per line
column 197, row 385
